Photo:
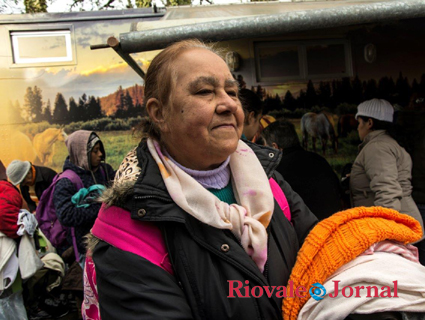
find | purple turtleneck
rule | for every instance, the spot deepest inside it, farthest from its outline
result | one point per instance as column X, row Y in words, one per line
column 209, row 179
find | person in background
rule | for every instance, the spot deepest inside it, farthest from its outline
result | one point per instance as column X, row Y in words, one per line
column 253, row 110
column 10, row 204
column 11, row 299
column 196, row 202
column 412, row 121
column 87, row 159
column 29, row 177
column 264, row 122
column 382, row 172
column 308, row 173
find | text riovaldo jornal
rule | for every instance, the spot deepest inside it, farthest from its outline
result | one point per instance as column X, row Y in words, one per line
column 238, row 290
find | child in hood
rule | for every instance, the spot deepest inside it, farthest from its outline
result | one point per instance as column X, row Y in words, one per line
column 87, row 159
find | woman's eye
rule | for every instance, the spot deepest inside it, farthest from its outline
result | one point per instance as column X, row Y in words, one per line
column 204, row 92
column 232, row 93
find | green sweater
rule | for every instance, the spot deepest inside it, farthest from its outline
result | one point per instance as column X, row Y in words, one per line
column 226, row 194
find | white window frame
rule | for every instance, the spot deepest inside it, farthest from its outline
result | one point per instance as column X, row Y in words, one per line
column 302, row 59
column 15, row 35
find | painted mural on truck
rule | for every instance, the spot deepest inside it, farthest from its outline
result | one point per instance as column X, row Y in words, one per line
column 52, row 83
column 314, row 71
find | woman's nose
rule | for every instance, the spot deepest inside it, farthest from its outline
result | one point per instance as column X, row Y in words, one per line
column 227, row 103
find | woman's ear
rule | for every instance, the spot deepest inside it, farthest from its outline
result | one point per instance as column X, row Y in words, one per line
column 251, row 117
column 155, row 111
column 370, row 123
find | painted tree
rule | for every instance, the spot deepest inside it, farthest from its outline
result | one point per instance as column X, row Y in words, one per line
column 301, row 101
column 37, row 107
column 415, row 86
column 272, row 103
column 311, row 95
column 60, row 110
column 422, row 84
column 357, row 90
column 33, row 104
column 119, row 103
column 289, row 101
column 73, row 110
column 324, row 94
column 370, row 89
column 386, row 89
column 47, row 113
column 94, row 110
column 82, row 108
column 129, row 105
column 26, row 108
column 403, row 90
column 12, row 114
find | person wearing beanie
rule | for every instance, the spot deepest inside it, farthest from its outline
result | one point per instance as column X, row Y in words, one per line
column 366, row 246
column 87, row 159
column 30, row 178
column 382, row 172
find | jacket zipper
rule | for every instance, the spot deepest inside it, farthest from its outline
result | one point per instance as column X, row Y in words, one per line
column 165, row 199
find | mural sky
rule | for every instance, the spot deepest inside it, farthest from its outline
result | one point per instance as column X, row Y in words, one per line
column 96, row 72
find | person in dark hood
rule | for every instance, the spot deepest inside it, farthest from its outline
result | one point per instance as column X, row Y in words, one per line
column 87, row 159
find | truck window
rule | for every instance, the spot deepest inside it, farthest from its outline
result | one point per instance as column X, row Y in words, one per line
column 279, row 61
column 34, row 47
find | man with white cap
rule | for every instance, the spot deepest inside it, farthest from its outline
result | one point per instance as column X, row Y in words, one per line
column 382, row 172
column 28, row 176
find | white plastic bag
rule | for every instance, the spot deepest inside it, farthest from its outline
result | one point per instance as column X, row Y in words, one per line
column 12, row 307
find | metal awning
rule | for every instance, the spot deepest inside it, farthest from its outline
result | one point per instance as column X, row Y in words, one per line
column 263, row 26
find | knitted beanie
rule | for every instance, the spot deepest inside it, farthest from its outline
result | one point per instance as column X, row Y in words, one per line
column 17, row 170
column 339, row 239
column 377, row 109
column 266, row 120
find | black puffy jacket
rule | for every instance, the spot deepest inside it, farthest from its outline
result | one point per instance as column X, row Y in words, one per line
column 131, row 287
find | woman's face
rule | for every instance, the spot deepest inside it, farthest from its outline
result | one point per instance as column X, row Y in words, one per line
column 364, row 128
column 96, row 156
column 252, row 124
column 205, row 117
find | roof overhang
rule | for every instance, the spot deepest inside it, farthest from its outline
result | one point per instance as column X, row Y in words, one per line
column 262, row 25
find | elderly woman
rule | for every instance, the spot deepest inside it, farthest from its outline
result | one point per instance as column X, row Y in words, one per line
column 382, row 172
column 191, row 224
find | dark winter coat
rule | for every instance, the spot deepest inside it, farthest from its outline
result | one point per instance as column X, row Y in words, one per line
column 311, row 176
column 413, row 122
column 43, row 179
column 69, row 215
column 131, row 287
column 10, row 203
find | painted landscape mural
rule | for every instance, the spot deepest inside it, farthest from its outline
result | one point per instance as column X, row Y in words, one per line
column 41, row 105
